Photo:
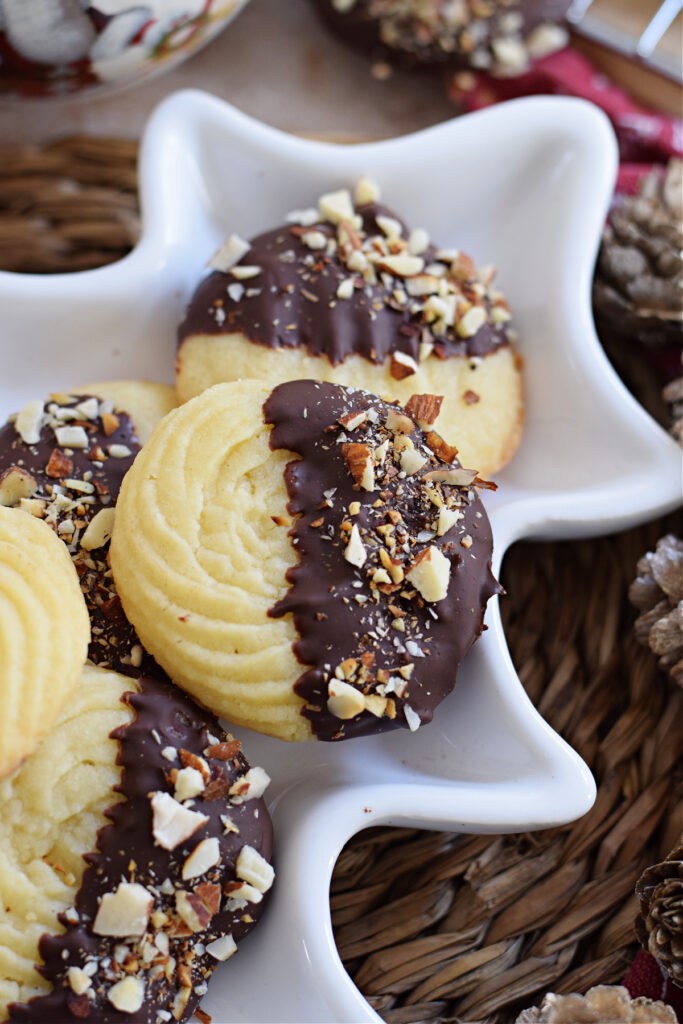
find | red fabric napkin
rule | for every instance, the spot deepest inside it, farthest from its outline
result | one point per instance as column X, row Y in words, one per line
column 646, row 978
column 645, row 137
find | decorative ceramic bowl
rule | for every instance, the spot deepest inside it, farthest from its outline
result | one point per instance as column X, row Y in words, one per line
column 525, row 185
column 60, row 47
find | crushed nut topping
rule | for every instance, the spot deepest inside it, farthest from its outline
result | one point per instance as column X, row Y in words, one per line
column 69, row 474
column 222, row 948
column 255, row 869
column 230, row 253
column 29, row 422
column 124, row 912
column 482, row 34
column 173, row 822
column 152, row 922
column 399, row 579
column 350, row 277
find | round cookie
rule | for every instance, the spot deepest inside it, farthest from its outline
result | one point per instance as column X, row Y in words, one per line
column 499, row 36
column 348, row 294
column 77, row 449
column 354, row 620
column 178, row 840
column 44, row 628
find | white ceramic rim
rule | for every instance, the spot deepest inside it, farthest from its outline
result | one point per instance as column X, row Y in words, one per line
column 314, row 820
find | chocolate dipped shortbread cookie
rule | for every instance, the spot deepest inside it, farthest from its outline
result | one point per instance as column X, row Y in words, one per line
column 68, row 456
column 311, row 562
column 499, row 36
column 347, row 293
column 134, row 857
column 44, row 627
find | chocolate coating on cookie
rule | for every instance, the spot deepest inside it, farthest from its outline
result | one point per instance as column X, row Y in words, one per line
column 171, row 953
column 481, row 34
column 77, row 476
column 374, row 499
column 335, row 290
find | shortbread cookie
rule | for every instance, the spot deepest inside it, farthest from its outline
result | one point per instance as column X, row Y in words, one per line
column 351, row 296
column 178, row 840
column 145, row 401
column 501, row 36
column 76, row 450
column 352, row 621
column 44, row 628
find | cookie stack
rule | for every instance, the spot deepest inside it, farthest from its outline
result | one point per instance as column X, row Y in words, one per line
column 300, row 545
column 135, row 845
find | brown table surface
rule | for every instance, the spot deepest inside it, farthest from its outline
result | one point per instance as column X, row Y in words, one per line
column 277, row 63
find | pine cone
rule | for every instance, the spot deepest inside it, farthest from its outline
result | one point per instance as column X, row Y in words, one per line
column 658, row 592
column 638, row 286
column 673, row 394
column 604, row 1004
column 659, row 924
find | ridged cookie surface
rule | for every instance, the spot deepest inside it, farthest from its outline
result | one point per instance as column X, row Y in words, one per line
column 162, row 804
column 198, row 560
column 44, row 628
column 52, row 808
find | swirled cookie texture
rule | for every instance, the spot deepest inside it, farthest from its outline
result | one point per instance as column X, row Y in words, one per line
column 62, row 460
column 500, row 36
column 198, row 559
column 177, row 844
column 44, row 628
column 345, row 292
column 310, row 562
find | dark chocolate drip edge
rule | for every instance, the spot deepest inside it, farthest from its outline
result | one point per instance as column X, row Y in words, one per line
column 114, row 643
column 125, row 850
column 324, row 587
column 293, row 303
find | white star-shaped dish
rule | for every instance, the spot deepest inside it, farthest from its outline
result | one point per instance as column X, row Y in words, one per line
column 524, row 185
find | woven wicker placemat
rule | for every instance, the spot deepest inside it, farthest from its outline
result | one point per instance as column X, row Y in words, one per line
column 434, row 926
column 68, row 206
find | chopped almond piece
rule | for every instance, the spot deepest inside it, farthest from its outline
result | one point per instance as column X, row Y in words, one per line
column 224, row 751
column 110, row 423
column 397, row 423
column 402, row 365
column 192, row 910
column 443, row 451
column 16, row 484
column 355, row 552
column 424, row 409
column 59, row 465
column 352, row 420
column 456, row 477
column 124, row 912
column 430, row 574
column 344, row 701
column 230, row 253
column 402, row 265
column 27, row 423
column 360, row 465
